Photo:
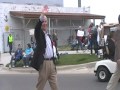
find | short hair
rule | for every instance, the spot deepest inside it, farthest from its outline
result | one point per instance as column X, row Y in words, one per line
column 42, row 18
column 91, row 25
column 29, row 45
column 119, row 19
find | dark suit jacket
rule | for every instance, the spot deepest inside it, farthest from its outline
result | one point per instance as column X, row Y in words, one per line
column 40, row 47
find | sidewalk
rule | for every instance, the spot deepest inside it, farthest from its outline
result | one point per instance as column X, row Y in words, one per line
column 59, row 68
column 5, row 59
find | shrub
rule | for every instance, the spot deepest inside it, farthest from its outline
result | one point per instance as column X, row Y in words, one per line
column 18, row 64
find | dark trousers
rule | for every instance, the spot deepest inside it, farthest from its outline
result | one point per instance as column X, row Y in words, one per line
column 14, row 60
column 93, row 45
column 10, row 48
column 79, row 43
column 96, row 47
column 26, row 60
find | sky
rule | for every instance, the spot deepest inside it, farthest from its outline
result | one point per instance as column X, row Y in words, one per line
column 70, row 3
column 49, row 2
column 108, row 8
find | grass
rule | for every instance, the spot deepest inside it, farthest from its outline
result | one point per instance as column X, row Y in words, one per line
column 64, row 48
column 72, row 59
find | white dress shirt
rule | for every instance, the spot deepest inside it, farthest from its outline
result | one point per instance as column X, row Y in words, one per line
column 49, row 48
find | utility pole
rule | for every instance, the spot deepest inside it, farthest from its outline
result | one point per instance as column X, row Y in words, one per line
column 79, row 3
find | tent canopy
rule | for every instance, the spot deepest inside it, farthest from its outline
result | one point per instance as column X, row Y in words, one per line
column 35, row 15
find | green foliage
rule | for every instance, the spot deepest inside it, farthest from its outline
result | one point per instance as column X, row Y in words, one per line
column 64, row 48
column 71, row 59
column 18, row 64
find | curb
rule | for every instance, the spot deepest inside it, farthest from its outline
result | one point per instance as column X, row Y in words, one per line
column 67, row 67
column 59, row 68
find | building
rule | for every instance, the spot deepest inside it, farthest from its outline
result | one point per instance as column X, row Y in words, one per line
column 18, row 19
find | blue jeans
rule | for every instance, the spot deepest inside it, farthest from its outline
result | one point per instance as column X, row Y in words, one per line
column 14, row 60
column 79, row 43
column 26, row 60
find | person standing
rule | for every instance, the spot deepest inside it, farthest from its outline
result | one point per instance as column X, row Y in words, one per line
column 94, row 39
column 55, row 42
column 79, row 36
column 54, row 38
column 43, row 58
column 10, row 42
column 116, row 76
column 90, row 37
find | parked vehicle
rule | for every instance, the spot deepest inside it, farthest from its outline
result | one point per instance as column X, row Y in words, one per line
column 104, row 69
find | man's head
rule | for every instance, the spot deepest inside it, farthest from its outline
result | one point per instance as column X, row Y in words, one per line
column 43, row 18
column 91, row 25
column 29, row 46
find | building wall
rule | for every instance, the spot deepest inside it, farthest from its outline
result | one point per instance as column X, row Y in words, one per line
column 19, row 27
column 65, row 29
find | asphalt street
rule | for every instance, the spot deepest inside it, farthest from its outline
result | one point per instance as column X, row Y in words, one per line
column 66, row 81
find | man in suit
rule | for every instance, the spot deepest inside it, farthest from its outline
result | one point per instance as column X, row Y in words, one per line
column 43, row 59
column 116, row 76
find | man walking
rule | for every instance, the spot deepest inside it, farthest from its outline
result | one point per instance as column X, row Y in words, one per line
column 43, row 59
column 116, row 76
column 10, row 42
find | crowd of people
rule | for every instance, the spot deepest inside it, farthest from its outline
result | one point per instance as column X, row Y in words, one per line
column 93, row 39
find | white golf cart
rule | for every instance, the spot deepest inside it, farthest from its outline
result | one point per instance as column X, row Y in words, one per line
column 104, row 69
